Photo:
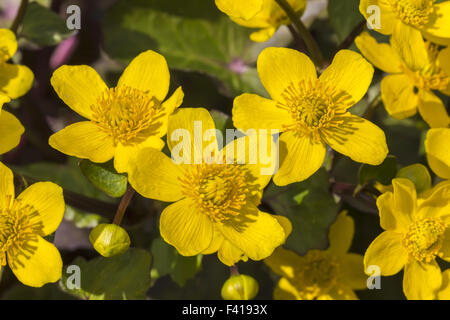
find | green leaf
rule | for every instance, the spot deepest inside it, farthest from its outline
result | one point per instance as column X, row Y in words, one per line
column 125, row 277
column 344, row 16
column 43, row 26
column 418, row 174
column 105, row 177
column 383, row 173
column 168, row 261
column 188, row 40
column 311, row 217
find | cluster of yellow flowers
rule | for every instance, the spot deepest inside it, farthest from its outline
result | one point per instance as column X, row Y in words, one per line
column 215, row 203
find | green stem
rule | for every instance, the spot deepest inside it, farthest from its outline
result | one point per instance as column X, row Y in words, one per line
column 123, row 205
column 311, row 44
column 19, row 16
column 234, row 271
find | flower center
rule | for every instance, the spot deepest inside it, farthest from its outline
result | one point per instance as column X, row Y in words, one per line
column 129, row 116
column 313, row 105
column 319, row 273
column 424, row 239
column 19, row 227
column 413, row 12
column 219, row 190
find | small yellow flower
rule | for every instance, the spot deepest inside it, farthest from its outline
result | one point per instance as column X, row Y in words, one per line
column 269, row 18
column 24, row 221
column 416, row 233
column 330, row 274
column 122, row 120
column 15, row 80
column 10, row 128
column 415, row 72
column 215, row 205
column 437, row 148
column 312, row 112
column 430, row 18
column 240, row 9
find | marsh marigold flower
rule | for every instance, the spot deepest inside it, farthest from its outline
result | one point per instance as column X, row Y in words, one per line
column 24, row 221
column 416, row 232
column 121, row 120
column 330, row 274
column 10, row 128
column 312, row 112
column 15, row 80
column 268, row 19
column 415, row 72
column 216, row 202
column 437, row 148
column 240, row 9
column 432, row 19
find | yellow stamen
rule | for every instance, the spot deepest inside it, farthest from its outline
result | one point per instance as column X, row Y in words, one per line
column 412, row 12
column 126, row 114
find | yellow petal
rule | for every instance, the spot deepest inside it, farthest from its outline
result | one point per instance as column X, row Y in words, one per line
column 386, row 252
column 359, row 139
column 48, row 201
column 444, row 60
column 339, row 292
column 285, row 223
column 435, row 203
column 405, row 200
column 387, row 18
column 168, row 107
column 351, row 271
column 421, row 281
column 389, row 218
column 15, row 80
column 263, row 35
column 147, row 72
column 251, row 111
column 84, row 140
column 399, row 98
column 6, row 185
column 40, row 264
column 439, row 25
column 79, row 87
column 240, row 9
column 216, row 242
column 408, row 43
column 341, row 234
column 155, row 176
column 445, row 249
column 229, row 254
column 437, row 149
column 278, row 68
column 349, row 72
column 10, row 131
column 256, row 233
column 300, row 157
column 190, row 124
column 8, row 44
column 380, row 54
column 125, row 155
column 432, row 110
column 285, row 263
column 186, row 228
column 285, row 291
column 444, row 292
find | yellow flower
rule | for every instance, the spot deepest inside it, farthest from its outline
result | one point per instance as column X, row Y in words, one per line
column 416, row 233
column 24, row 221
column 312, row 112
column 240, row 9
column 122, row 120
column 216, row 202
column 330, row 274
column 437, row 148
column 444, row 292
column 15, row 80
column 10, row 128
column 269, row 18
column 430, row 18
column 415, row 72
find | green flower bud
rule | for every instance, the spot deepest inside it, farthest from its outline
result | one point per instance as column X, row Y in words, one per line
column 109, row 240
column 240, row 287
column 418, row 174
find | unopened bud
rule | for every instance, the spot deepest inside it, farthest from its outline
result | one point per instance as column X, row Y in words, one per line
column 240, row 287
column 109, row 240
